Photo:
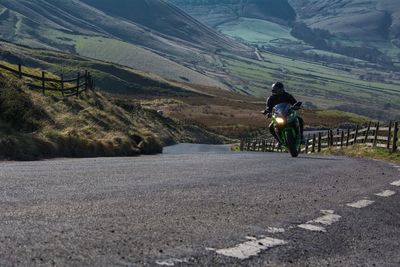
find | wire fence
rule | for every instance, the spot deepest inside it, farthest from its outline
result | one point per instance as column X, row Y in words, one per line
column 374, row 135
column 67, row 87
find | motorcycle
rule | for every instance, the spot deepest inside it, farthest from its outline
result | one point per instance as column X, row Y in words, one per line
column 287, row 126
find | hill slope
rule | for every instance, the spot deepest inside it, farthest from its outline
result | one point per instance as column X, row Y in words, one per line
column 293, row 26
column 356, row 19
column 109, row 77
column 33, row 126
column 124, row 32
column 215, row 13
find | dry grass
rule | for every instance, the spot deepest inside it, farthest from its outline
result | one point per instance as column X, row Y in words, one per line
column 235, row 115
column 52, row 126
column 34, row 126
column 362, row 151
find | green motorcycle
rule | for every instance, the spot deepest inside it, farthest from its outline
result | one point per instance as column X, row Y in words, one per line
column 287, row 126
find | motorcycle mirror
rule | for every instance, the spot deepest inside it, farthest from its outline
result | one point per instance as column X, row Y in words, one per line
column 297, row 105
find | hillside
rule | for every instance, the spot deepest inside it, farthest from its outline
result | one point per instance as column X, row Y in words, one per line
column 215, row 13
column 363, row 20
column 354, row 29
column 109, row 77
column 34, row 126
column 132, row 49
column 172, row 45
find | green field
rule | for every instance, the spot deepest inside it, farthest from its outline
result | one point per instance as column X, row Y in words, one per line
column 323, row 86
column 127, row 54
column 258, row 32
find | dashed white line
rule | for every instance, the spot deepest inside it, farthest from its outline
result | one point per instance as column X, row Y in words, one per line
column 327, row 219
column 386, row 193
column 171, row 262
column 396, row 183
column 361, row 204
column 251, row 248
column 311, row 227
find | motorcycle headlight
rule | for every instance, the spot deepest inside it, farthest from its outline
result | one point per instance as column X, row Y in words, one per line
column 280, row 120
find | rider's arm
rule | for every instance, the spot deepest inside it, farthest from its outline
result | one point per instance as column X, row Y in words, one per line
column 270, row 105
column 291, row 99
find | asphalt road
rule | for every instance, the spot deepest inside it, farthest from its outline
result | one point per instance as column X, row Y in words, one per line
column 200, row 209
column 196, row 148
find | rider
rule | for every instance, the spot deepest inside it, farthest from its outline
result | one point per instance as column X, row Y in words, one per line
column 279, row 95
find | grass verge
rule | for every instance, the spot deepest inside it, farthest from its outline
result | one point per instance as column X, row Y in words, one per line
column 361, row 151
column 34, row 126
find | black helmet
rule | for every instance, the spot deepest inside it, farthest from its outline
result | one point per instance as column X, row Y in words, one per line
column 278, row 88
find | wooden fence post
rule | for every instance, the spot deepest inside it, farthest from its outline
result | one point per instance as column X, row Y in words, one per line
column 20, row 71
column 342, row 139
column 319, row 142
column 313, row 144
column 62, row 84
column 389, row 135
column 78, row 83
column 395, row 133
column 348, row 137
column 338, row 140
column 328, row 139
column 367, row 132
column 332, row 138
column 248, row 144
column 241, row 144
column 356, row 135
column 43, row 83
column 307, row 143
column 376, row 133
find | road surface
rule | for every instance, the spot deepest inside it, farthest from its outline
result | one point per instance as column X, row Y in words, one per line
column 200, row 209
column 196, row 148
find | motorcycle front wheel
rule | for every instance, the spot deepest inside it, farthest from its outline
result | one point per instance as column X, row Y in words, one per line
column 291, row 144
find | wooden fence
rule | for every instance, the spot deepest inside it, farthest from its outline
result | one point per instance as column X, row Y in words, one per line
column 374, row 135
column 67, row 87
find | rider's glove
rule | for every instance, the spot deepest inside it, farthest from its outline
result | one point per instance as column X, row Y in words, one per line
column 266, row 113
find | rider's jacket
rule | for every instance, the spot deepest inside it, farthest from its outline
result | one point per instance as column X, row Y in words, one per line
column 274, row 100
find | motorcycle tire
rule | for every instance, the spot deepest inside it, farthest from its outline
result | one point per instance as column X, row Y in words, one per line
column 291, row 144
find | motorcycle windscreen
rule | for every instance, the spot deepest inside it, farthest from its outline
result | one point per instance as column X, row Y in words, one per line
column 282, row 109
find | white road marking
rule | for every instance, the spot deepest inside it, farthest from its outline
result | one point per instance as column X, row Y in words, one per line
column 327, row 219
column 361, row 204
column 251, row 238
column 386, row 193
column 396, row 183
column 274, row 230
column 171, row 262
column 313, row 228
column 210, row 249
column 251, row 248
